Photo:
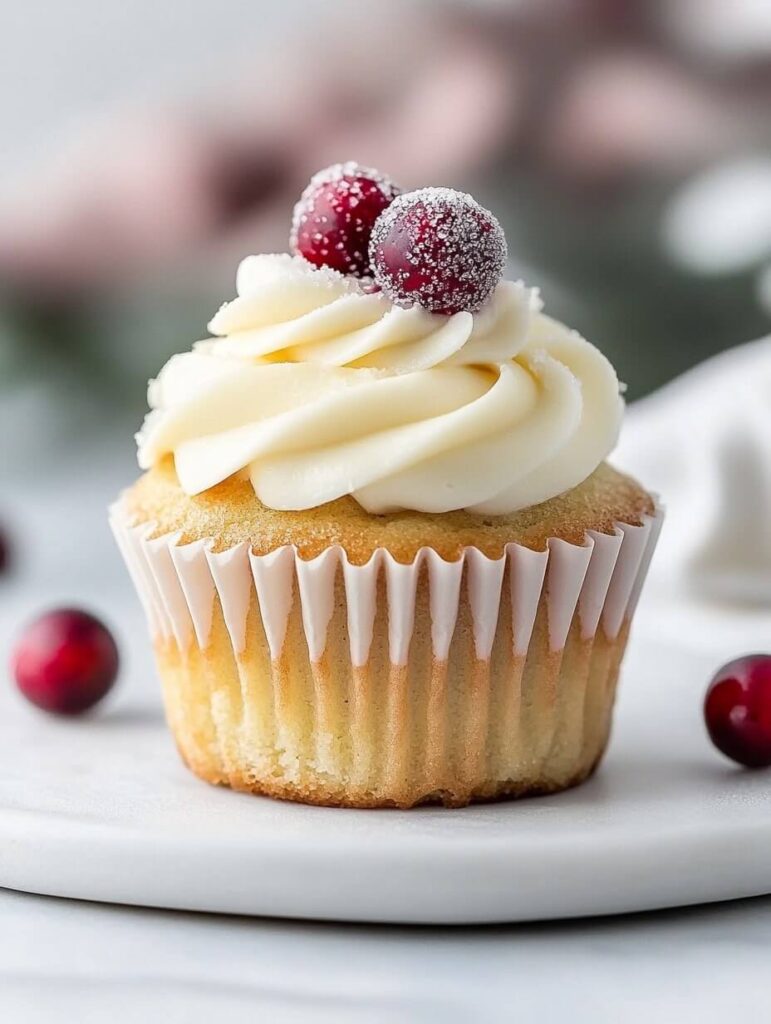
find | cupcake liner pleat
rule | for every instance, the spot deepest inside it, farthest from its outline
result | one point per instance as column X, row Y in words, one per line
column 599, row 580
column 388, row 684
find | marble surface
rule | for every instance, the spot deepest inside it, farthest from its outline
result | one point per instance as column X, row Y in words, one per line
column 102, row 808
column 66, row 961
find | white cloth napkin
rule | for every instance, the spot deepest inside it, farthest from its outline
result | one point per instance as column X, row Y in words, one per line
column 703, row 442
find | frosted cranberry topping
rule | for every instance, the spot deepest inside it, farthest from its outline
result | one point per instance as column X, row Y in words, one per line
column 438, row 248
column 334, row 217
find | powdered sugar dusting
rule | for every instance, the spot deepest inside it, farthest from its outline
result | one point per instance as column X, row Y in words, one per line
column 255, row 272
column 439, row 248
column 333, row 219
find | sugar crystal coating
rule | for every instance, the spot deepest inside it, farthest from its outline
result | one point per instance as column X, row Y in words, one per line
column 438, row 248
column 333, row 219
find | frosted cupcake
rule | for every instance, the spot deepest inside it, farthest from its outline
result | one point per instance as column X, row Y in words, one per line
column 383, row 560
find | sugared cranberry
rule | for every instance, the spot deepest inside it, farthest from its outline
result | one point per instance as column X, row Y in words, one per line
column 737, row 710
column 334, row 217
column 65, row 661
column 438, row 248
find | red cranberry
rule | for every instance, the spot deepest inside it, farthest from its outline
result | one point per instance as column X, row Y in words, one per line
column 333, row 219
column 439, row 248
column 5, row 553
column 65, row 661
column 737, row 710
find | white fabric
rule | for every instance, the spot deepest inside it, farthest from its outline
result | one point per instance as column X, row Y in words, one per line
column 704, row 443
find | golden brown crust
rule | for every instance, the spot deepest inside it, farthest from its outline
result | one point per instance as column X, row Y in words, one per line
column 493, row 792
column 231, row 514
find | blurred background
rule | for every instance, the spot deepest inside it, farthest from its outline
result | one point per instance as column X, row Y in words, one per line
column 146, row 147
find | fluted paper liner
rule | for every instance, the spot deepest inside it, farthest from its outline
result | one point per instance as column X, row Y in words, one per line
column 583, row 591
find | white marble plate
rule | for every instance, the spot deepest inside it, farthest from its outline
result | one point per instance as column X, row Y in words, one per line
column 102, row 809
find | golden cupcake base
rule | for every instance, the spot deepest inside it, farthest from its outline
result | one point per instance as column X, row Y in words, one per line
column 294, row 664
column 384, row 735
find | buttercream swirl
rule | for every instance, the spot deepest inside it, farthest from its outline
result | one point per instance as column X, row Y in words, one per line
column 318, row 388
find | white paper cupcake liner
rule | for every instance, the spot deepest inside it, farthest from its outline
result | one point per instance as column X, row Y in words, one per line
column 599, row 581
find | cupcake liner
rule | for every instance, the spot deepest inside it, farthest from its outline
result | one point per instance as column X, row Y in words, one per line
column 389, row 684
column 599, row 580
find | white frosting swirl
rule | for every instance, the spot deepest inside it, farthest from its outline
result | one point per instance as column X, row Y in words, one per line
column 317, row 389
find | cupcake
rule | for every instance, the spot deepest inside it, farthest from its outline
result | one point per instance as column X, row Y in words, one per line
column 382, row 557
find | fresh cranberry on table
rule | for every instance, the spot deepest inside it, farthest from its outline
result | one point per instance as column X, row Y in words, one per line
column 5, row 553
column 334, row 217
column 438, row 248
column 65, row 661
column 737, row 710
